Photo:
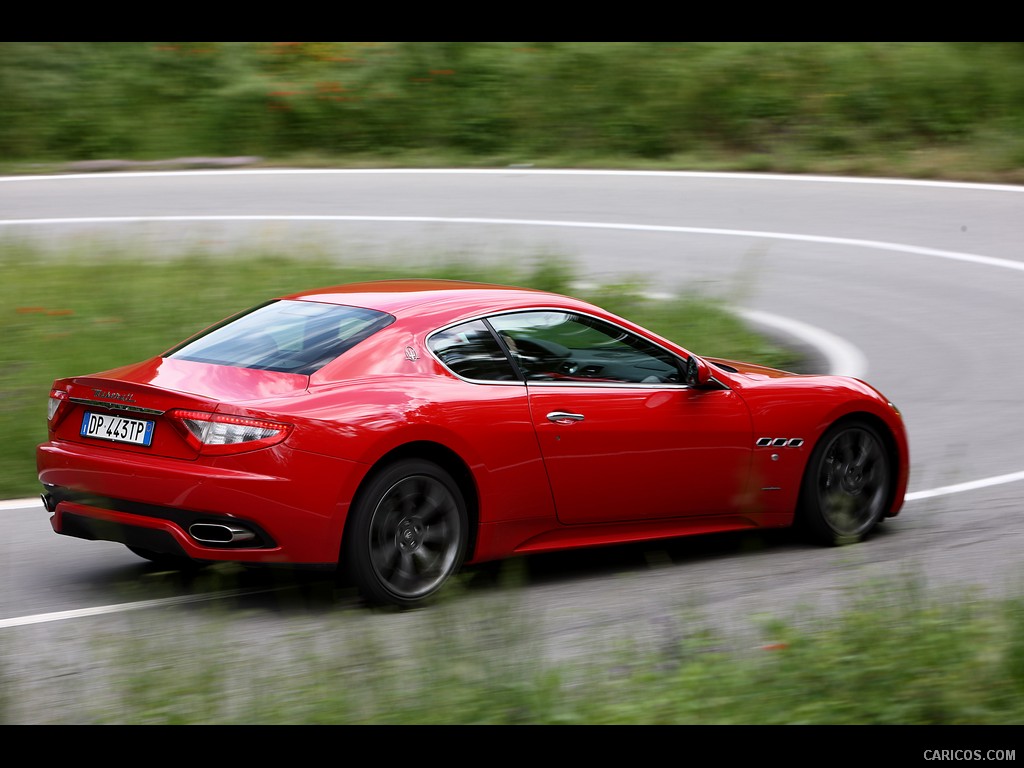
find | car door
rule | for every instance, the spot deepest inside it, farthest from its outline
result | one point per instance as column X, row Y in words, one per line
column 622, row 437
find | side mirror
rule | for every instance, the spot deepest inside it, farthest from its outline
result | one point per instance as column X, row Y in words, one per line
column 698, row 374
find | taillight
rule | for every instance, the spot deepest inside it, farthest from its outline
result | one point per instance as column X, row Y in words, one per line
column 57, row 398
column 217, row 433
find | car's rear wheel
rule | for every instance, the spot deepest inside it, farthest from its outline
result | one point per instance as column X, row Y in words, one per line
column 407, row 533
column 847, row 485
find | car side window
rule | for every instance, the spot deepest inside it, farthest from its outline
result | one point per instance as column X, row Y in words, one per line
column 471, row 351
column 553, row 345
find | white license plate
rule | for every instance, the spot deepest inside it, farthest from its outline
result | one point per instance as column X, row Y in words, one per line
column 117, row 428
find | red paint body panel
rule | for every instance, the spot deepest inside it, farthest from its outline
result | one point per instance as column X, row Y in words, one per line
column 635, row 461
column 647, row 451
column 799, row 406
column 293, row 496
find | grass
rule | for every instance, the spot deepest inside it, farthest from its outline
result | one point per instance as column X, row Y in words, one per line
column 75, row 313
column 896, row 655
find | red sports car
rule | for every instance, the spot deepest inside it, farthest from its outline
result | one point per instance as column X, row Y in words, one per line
column 395, row 430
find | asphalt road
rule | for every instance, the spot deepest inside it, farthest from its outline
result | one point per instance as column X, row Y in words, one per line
column 916, row 287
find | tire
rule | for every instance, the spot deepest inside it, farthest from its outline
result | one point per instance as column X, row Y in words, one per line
column 847, row 485
column 407, row 534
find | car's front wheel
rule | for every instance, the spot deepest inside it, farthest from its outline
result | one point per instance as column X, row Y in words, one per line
column 847, row 484
column 407, row 533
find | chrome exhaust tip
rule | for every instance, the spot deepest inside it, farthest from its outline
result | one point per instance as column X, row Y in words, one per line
column 49, row 502
column 218, row 533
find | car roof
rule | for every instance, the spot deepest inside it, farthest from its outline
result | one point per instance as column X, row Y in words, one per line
column 401, row 297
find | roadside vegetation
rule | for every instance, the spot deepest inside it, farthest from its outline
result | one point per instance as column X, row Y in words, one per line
column 894, row 655
column 918, row 109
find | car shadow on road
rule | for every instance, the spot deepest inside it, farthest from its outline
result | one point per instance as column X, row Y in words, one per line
column 291, row 590
column 572, row 565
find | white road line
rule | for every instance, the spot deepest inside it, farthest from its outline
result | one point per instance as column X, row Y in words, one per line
column 21, row 504
column 879, row 245
column 44, row 618
column 843, row 358
column 513, row 171
column 972, row 485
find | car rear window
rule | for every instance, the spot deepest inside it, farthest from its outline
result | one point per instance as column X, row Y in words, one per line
column 286, row 336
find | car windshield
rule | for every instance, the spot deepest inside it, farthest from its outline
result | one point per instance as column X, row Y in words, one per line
column 287, row 336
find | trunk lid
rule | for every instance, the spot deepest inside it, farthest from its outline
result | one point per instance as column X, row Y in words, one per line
column 127, row 408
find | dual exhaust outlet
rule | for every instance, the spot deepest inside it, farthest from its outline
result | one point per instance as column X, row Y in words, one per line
column 217, row 534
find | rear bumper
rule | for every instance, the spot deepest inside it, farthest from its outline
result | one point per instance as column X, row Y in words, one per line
column 272, row 506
